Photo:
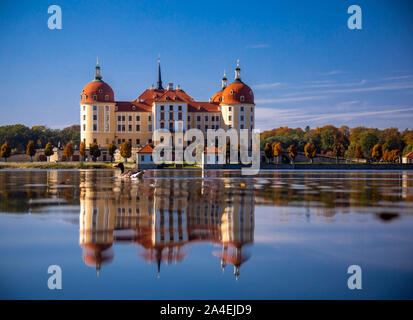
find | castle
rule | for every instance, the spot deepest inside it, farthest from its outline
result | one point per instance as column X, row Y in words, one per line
column 105, row 121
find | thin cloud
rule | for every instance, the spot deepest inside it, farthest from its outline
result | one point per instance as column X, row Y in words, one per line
column 258, row 46
column 286, row 100
column 266, row 85
column 375, row 88
column 333, row 72
column 398, row 77
column 334, row 84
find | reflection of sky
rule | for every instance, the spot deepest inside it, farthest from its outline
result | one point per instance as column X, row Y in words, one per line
column 298, row 257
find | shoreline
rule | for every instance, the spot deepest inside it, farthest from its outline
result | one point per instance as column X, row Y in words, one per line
column 298, row 166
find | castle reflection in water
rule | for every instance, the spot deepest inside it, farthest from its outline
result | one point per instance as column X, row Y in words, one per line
column 165, row 217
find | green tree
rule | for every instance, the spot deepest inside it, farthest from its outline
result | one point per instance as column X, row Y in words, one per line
column 5, row 151
column 48, row 150
column 310, row 151
column 94, row 151
column 82, row 150
column 111, row 151
column 292, row 152
column 30, row 150
column 368, row 140
column 68, row 150
column 377, row 152
column 277, row 150
column 327, row 139
column 126, row 150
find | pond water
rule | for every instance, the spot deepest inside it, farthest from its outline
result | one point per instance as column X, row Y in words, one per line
column 188, row 234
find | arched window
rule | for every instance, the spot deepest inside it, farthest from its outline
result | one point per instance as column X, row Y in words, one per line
column 242, row 98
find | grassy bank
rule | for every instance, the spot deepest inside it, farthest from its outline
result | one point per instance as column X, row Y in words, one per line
column 58, row 165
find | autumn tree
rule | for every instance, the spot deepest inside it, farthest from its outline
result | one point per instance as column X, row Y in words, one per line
column 68, row 150
column 292, row 152
column 268, row 151
column 48, row 150
column 94, row 151
column 111, row 151
column 395, row 155
column 377, row 152
column 30, row 150
column 310, row 151
column 126, row 150
column 5, row 151
column 277, row 150
column 82, row 150
column 358, row 152
column 338, row 150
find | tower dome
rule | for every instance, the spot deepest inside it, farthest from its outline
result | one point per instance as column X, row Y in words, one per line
column 238, row 92
column 97, row 90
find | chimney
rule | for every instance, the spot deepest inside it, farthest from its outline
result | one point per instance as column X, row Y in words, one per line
column 178, row 87
column 170, row 86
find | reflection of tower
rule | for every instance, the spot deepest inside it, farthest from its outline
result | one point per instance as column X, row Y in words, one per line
column 96, row 224
column 237, row 229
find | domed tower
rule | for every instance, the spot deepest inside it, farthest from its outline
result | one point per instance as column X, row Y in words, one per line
column 237, row 104
column 97, row 112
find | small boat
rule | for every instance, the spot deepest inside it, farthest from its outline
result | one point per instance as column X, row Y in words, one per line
column 132, row 174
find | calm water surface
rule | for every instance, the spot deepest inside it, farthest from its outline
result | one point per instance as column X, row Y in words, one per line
column 211, row 235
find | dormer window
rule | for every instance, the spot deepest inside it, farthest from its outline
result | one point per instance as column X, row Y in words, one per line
column 232, row 91
column 95, row 97
column 242, row 98
column 133, row 108
column 100, row 90
column 85, row 97
column 106, row 97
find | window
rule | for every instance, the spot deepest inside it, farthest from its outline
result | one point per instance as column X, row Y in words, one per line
column 123, row 127
column 198, row 127
column 189, row 118
column 162, row 125
column 206, row 127
column 84, row 127
column 119, row 118
column 138, row 127
column 150, row 128
column 149, row 118
column 95, row 127
column 84, row 107
column 242, row 108
column 123, row 118
column 94, row 140
column 95, row 97
column 229, row 118
column 212, row 118
column 229, row 109
column 95, row 108
column 95, row 117
column 149, row 140
column 242, row 98
column 138, row 141
column 119, row 141
column 130, row 118
column 84, row 117
column 142, row 158
column 206, row 118
column 84, row 98
column 171, row 115
column 241, row 126
column 138, row 118
column 162, row 108
column 162, row 116
column 179, row 116
column 217, row 118
column 119, row 127
column 100, row 90
column 171, row 108
column 179, row 108
column 242, row 118
column 198, row 118
column 130, row 127
column 171, row 126
column 106, row 97
column 107, row 108
column 232, row 91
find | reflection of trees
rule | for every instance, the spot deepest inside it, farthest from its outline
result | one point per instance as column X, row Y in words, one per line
column 336, row 189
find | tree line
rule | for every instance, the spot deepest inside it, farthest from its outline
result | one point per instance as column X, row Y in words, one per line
column 371, row 144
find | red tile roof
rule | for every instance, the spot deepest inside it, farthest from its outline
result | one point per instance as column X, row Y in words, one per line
column 212, row 149
column 203, row 107
column 146, row 149
column 132, row 106
column 409, row 155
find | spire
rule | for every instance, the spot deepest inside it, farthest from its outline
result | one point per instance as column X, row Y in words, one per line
column 238, row 72
column 224, row 81
column 159, row 85
column 98, row 76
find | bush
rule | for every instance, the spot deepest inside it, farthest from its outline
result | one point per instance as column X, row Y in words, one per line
column 41, row 157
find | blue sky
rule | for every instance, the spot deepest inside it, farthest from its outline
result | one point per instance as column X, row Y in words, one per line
column 303, row 63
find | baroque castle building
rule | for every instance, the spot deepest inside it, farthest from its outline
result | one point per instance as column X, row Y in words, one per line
column 106, row 121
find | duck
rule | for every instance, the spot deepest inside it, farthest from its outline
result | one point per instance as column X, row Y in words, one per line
column 132, row 174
